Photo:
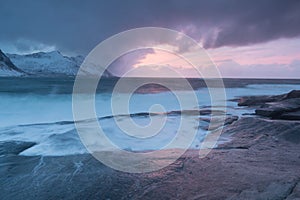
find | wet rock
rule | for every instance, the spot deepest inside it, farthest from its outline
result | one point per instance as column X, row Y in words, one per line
column 230, row 120
column 258, row 100
column 293, row 94
column 285, row 106
column 261, row 161
column 276, row 109
column 216, row 122
column 274, row 191
column 198, row 112
column 292, row 134
column 261, row 100
column 291, row 115
column 295, row 193
column 14, row 147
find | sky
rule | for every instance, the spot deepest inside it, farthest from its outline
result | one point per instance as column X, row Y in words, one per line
column 252, row 39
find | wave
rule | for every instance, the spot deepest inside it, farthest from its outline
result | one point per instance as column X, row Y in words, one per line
column 61, row 138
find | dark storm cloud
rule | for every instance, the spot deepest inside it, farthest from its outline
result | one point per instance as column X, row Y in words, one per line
column 77, row 26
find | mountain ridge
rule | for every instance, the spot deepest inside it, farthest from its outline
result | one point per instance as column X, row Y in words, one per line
column 43, row 64
column 7, row 68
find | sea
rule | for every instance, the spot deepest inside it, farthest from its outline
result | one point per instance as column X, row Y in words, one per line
column 40, row 110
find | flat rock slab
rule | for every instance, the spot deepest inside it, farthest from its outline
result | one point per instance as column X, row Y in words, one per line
column 259, row 162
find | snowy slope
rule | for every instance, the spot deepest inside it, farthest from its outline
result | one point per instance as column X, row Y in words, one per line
column 7, row 68
column 48, row 64
column 51, row 63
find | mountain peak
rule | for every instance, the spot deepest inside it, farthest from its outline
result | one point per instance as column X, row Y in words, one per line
column 51, row 63
column 7, row 67
column 43, row 54
column 54, row 53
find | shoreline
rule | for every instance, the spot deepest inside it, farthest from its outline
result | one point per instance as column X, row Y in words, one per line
column 248, row 166
column 260, row 161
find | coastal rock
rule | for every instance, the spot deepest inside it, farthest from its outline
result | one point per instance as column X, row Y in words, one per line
column 198, row 112
column 291, row 115
column 274, row 191
column 261, row 161
column 258, row 100
column 217, row 122
column 278, row 108
column 293, row 94
column 14, row 147
column 295, row 193
column 261, row 100
column 285, row 106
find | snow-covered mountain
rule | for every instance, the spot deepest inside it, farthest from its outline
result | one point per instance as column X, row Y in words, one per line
column 51, row 63
column 7, row 68
column 48, row 64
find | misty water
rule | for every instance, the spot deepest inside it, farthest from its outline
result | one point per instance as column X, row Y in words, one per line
column 40, row 110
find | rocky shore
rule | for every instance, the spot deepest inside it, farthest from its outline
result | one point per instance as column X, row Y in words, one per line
column 286, row 106
column 261, row 160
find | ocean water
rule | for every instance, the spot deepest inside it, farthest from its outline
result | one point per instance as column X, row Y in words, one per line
column 40, row 110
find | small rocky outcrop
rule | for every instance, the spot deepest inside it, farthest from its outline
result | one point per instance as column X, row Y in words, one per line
column 285, row 106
